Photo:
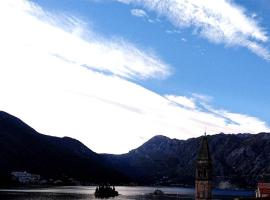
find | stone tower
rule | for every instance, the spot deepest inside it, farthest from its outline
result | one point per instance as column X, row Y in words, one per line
column 203, row 184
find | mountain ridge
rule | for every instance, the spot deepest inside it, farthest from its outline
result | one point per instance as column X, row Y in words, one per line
column 238, row 159
column 60, row 159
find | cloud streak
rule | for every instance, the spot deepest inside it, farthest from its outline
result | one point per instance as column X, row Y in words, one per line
column 138, row 13
column 43, row 81
column 84, row 47
column 219, row 21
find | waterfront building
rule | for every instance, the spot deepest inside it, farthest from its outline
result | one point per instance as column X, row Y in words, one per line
column 25, row 177
column 263, row 187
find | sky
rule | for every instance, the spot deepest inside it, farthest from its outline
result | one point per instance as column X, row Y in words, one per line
column 114, row 73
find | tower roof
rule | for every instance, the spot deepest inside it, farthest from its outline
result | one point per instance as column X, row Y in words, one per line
column 203, row 153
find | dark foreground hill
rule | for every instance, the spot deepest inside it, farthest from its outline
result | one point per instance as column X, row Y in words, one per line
column 238, row 160
column 57, row 160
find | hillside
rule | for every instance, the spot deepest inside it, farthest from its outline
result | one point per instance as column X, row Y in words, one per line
column 64, row 160
column 239, row 160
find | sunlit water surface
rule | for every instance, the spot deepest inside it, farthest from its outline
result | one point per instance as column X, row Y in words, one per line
column 126, row 193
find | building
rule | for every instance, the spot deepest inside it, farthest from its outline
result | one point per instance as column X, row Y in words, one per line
column 263, row 188
column 25, row 177
column 203, row 183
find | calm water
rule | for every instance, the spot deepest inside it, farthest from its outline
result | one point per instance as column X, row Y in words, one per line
column 126, row 193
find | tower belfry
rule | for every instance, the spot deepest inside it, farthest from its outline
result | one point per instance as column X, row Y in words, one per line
column 203, row 184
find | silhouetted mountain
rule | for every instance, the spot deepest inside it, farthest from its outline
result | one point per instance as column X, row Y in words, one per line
column 63, row 159
column 238, row 160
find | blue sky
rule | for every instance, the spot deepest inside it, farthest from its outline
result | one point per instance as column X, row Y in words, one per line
column 236, row 78
column 187, row 69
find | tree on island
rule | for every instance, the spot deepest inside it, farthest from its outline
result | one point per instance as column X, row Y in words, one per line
column 105, row 191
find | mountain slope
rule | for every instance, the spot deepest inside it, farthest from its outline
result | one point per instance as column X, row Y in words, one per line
column 23, row 149
column 238, row 159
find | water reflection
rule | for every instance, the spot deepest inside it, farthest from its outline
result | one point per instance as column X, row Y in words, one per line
column 127, row 193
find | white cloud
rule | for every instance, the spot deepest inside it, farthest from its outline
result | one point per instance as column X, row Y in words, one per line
column 142, row 14
column 184, row 39
column 88, row 49
column 138, row 13
column 220, row 21
column 42, row 81
column 202, row 97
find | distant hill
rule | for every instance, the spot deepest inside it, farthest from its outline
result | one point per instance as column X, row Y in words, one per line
column 238, row 159
column 63, row 160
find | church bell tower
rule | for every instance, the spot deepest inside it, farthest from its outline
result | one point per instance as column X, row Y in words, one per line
column 203, row 184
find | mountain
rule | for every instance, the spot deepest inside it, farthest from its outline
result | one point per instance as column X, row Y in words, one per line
column 239, row 160
column 58, row 160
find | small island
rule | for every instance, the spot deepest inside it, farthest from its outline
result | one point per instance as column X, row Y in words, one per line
column 158, row 192
column 105, row 191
